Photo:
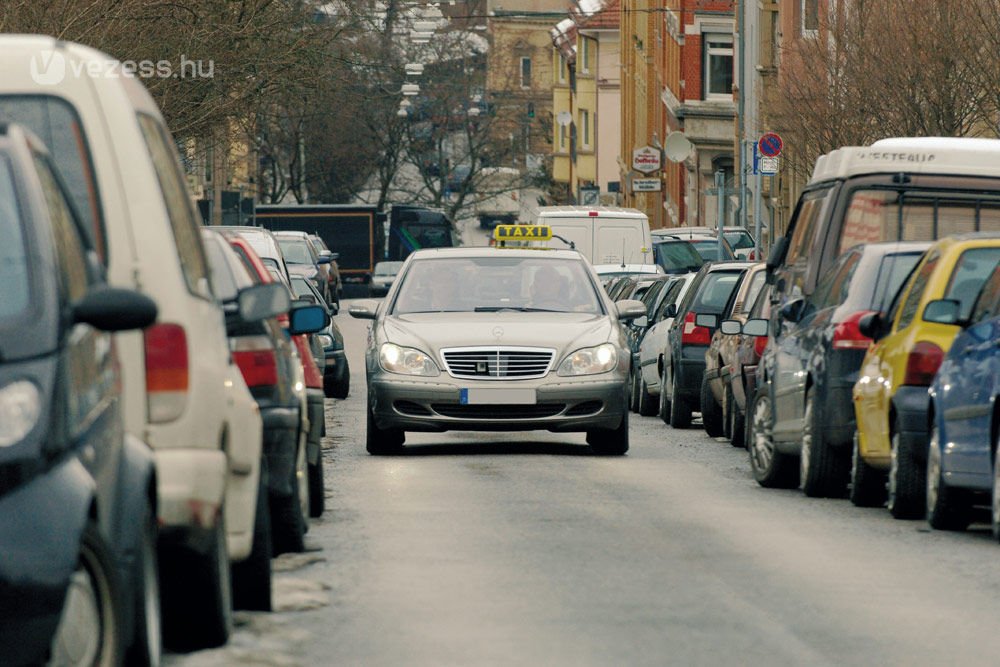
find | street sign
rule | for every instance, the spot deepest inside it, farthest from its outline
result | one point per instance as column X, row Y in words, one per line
column 646, row 185
column 646, row 159
column 770, row 145
column 768, row 166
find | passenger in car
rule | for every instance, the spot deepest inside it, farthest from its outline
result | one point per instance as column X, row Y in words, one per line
column 548, row 289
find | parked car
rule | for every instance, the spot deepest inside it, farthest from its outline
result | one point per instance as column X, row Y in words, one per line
column 648, row 291
column 605, row 271
column 301, row 257
column 77, row 493
column 382, row 277
column 675, row 255
column 249, row 243
column 720, row 357
column 891, row 397
column 653, row 344
column 813, row 365
column 749, row 341
column 711, row 292
column 962, row 464
column 333, row 268
column 328, row 345
column 181, row 394
column 739, row 239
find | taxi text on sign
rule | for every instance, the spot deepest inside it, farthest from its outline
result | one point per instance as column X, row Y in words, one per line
column 522, row 232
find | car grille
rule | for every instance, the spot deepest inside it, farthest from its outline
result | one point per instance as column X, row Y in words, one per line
column 511, row 363
column 498, row 411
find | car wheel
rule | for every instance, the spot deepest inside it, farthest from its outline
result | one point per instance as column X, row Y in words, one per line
column 89, row 632
column 252, row 577
column 867, row 483
column 711, row 411
column 664, row 404
column 197, row 594
column 680, row 411
column 770, row 468
column 737, row 422
column 288, row 516
column 822, row 471
column 317, row 487
column 633, row 403
column 382, row 441
column 647, row 402
column 610, row 442
column 907, row 488
column 947, row 508
column 146, row 646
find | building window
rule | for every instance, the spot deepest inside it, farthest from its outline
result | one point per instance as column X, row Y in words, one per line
column 562, row 68
column 562, row 137
column 585, row 126
column 718, row 66
column 526, row 72
column 585, row 55
column 810, row 17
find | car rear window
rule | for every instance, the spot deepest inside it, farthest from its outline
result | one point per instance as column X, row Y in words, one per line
column 57, row 124
column 715, row 292
column 13, row 254
column 739, row 240
column 892, row 273
column 677, row 256
column 296, row 251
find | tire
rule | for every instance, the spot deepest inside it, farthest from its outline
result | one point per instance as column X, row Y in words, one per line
column 382, row 442
column 823, row 471
column 317, row 487
column 907, row 483
column 633, row 403
column 664, row 403
column 252, row 578
column 995, row 504
column 146, row 646
column 288, row 518
column 196, row 593
column 610, row 442
column 647, row 404
column 867, row 484
column 90, row 630
column 711, row 411
column 737, row 423
column 947, row 508
column 680, row 411
column 770, row 468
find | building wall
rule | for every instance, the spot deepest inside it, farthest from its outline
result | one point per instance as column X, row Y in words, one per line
column 609, row 120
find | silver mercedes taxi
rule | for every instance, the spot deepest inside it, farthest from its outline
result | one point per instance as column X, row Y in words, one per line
column 497, row 339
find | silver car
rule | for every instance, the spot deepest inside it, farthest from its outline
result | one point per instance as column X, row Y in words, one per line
column 492, row 339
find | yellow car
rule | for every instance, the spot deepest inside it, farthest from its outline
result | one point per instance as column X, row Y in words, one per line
column 890, row 397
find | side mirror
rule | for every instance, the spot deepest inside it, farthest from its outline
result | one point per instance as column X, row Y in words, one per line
column 776, row 257
column 670, row 310
column 943, row 311
column 115, row 309
column 630, row 309
column 363, row 310
column 260, row 302
column 334, row 256
column 730, row 327
column 793, row 310
column 870, row 325
column 756, row 327
column 325, row 253
column 307, row 320
column 324, row 259
column 641, row 322
column 707, row 320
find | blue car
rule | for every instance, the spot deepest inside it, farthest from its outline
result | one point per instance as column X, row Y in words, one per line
column 78, row 573
column 962, row 468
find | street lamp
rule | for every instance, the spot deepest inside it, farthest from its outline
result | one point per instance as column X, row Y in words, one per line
column 410, row 89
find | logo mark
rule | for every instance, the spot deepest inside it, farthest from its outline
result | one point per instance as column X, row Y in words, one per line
column 498, row 332
column 48, row 68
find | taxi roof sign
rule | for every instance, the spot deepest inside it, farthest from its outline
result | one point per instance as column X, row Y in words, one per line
column 522, row 232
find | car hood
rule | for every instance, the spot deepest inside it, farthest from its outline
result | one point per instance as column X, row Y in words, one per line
column 563, row 332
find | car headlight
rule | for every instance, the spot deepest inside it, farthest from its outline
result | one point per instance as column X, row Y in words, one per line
column 20, row 406
column 406, row 360
column 325, row 339
column 590, row 361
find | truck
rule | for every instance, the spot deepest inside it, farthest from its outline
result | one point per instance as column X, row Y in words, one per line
column 355, row 233
column 497, row 196
column 415, row 227
column 602, row 234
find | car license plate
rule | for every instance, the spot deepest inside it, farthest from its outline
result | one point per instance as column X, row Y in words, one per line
column 497, row 396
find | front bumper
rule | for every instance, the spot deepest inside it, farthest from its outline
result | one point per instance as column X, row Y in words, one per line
column 562, row 404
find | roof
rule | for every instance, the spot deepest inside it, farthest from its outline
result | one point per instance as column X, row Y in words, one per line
column 607, row 17
column 490, row 251
column 585, row 211
column 960, row 156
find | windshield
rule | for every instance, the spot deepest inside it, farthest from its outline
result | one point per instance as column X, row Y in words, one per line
column 296, row 251
column 739, row 239
column 676, row 257
column 485, row 284
column 13, row 255
column 709, row 249
column 890, row 215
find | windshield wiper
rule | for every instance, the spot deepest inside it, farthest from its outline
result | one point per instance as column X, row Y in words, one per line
column 518, row 309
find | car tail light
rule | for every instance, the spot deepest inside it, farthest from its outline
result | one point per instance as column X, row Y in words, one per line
column 847, row 335
column 166, row 371
column 692, row 334
column 759, row 343
column 255, row 355
column 922, row 364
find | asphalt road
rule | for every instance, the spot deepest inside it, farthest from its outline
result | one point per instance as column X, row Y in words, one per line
column 499, row 549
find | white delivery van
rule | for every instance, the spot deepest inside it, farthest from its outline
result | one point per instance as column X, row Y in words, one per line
column 604, row 235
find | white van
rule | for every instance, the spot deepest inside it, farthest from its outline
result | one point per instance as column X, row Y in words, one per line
column 603, row 235
column 181, row 395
